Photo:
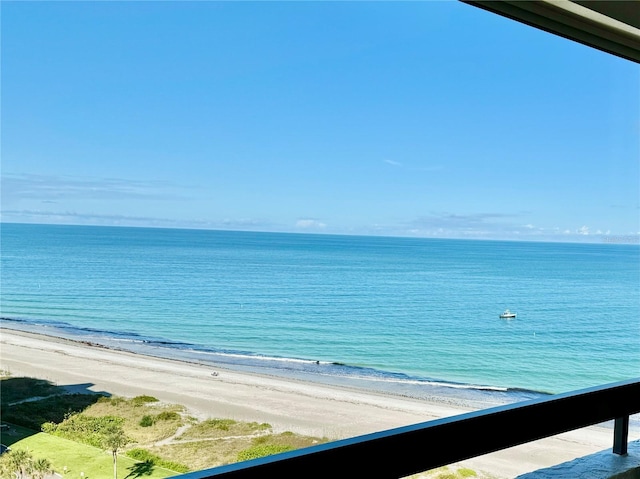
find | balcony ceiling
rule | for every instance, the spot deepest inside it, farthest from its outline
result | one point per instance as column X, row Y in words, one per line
column 609, row 25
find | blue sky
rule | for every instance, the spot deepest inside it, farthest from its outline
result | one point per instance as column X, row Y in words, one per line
column 429, row 119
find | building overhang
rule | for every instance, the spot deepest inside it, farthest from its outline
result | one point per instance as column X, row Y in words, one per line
column 612, row 26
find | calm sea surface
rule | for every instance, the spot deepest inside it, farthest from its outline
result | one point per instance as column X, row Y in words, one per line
column 411, row 316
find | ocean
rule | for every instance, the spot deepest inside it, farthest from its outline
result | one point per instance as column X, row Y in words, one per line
column 417, row 317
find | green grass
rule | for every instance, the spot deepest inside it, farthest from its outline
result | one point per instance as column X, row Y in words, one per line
column 94, row 462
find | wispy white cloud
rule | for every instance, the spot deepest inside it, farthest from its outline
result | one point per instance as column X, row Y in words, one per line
column 492, row 226
column 398, row 164
column 393, row 163
column 310, row 224
column 460, row 222
column 50, row 188
column 244, row 224
column 452, row 225
column 73, row 217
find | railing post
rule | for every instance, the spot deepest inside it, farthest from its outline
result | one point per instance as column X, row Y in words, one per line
column 621, row 435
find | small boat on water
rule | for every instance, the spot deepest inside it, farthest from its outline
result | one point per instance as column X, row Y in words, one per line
column 508, row 314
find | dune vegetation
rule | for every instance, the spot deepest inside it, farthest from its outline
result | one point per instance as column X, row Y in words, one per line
column 73, row 431
column 90, row 436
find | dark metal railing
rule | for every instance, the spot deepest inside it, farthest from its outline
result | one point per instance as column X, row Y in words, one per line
column 411, row 449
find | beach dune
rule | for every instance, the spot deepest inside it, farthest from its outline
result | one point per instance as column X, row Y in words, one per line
column 288, row 405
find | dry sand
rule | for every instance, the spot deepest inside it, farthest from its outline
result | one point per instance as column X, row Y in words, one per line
column 288, row 405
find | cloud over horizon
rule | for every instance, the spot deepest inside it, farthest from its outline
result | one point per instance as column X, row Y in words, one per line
column 310, row 224
column 50, row 188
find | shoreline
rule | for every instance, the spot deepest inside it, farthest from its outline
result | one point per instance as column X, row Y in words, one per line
column 471, row 395
column 56, row 359
column 303, row 407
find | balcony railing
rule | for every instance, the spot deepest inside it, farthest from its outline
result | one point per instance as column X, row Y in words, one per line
column 411, row 449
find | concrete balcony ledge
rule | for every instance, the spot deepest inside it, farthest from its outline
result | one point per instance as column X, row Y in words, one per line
column 601, row 465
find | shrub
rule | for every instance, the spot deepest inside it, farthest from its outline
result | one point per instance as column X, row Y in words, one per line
column 173, row 466
column 147, row 421
column 86, row 429
column 259, row 427
column 49, row 427
column 141, row 400
column 262, row 450
column 140, row 455
column 222, row 424
column 168, row 416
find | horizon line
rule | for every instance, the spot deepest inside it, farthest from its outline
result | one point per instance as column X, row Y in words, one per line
column 610, row 239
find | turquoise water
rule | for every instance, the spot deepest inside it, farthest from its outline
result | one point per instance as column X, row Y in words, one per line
column 407, row 315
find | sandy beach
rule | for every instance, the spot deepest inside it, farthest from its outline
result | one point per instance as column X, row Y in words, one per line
column 301, row 407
